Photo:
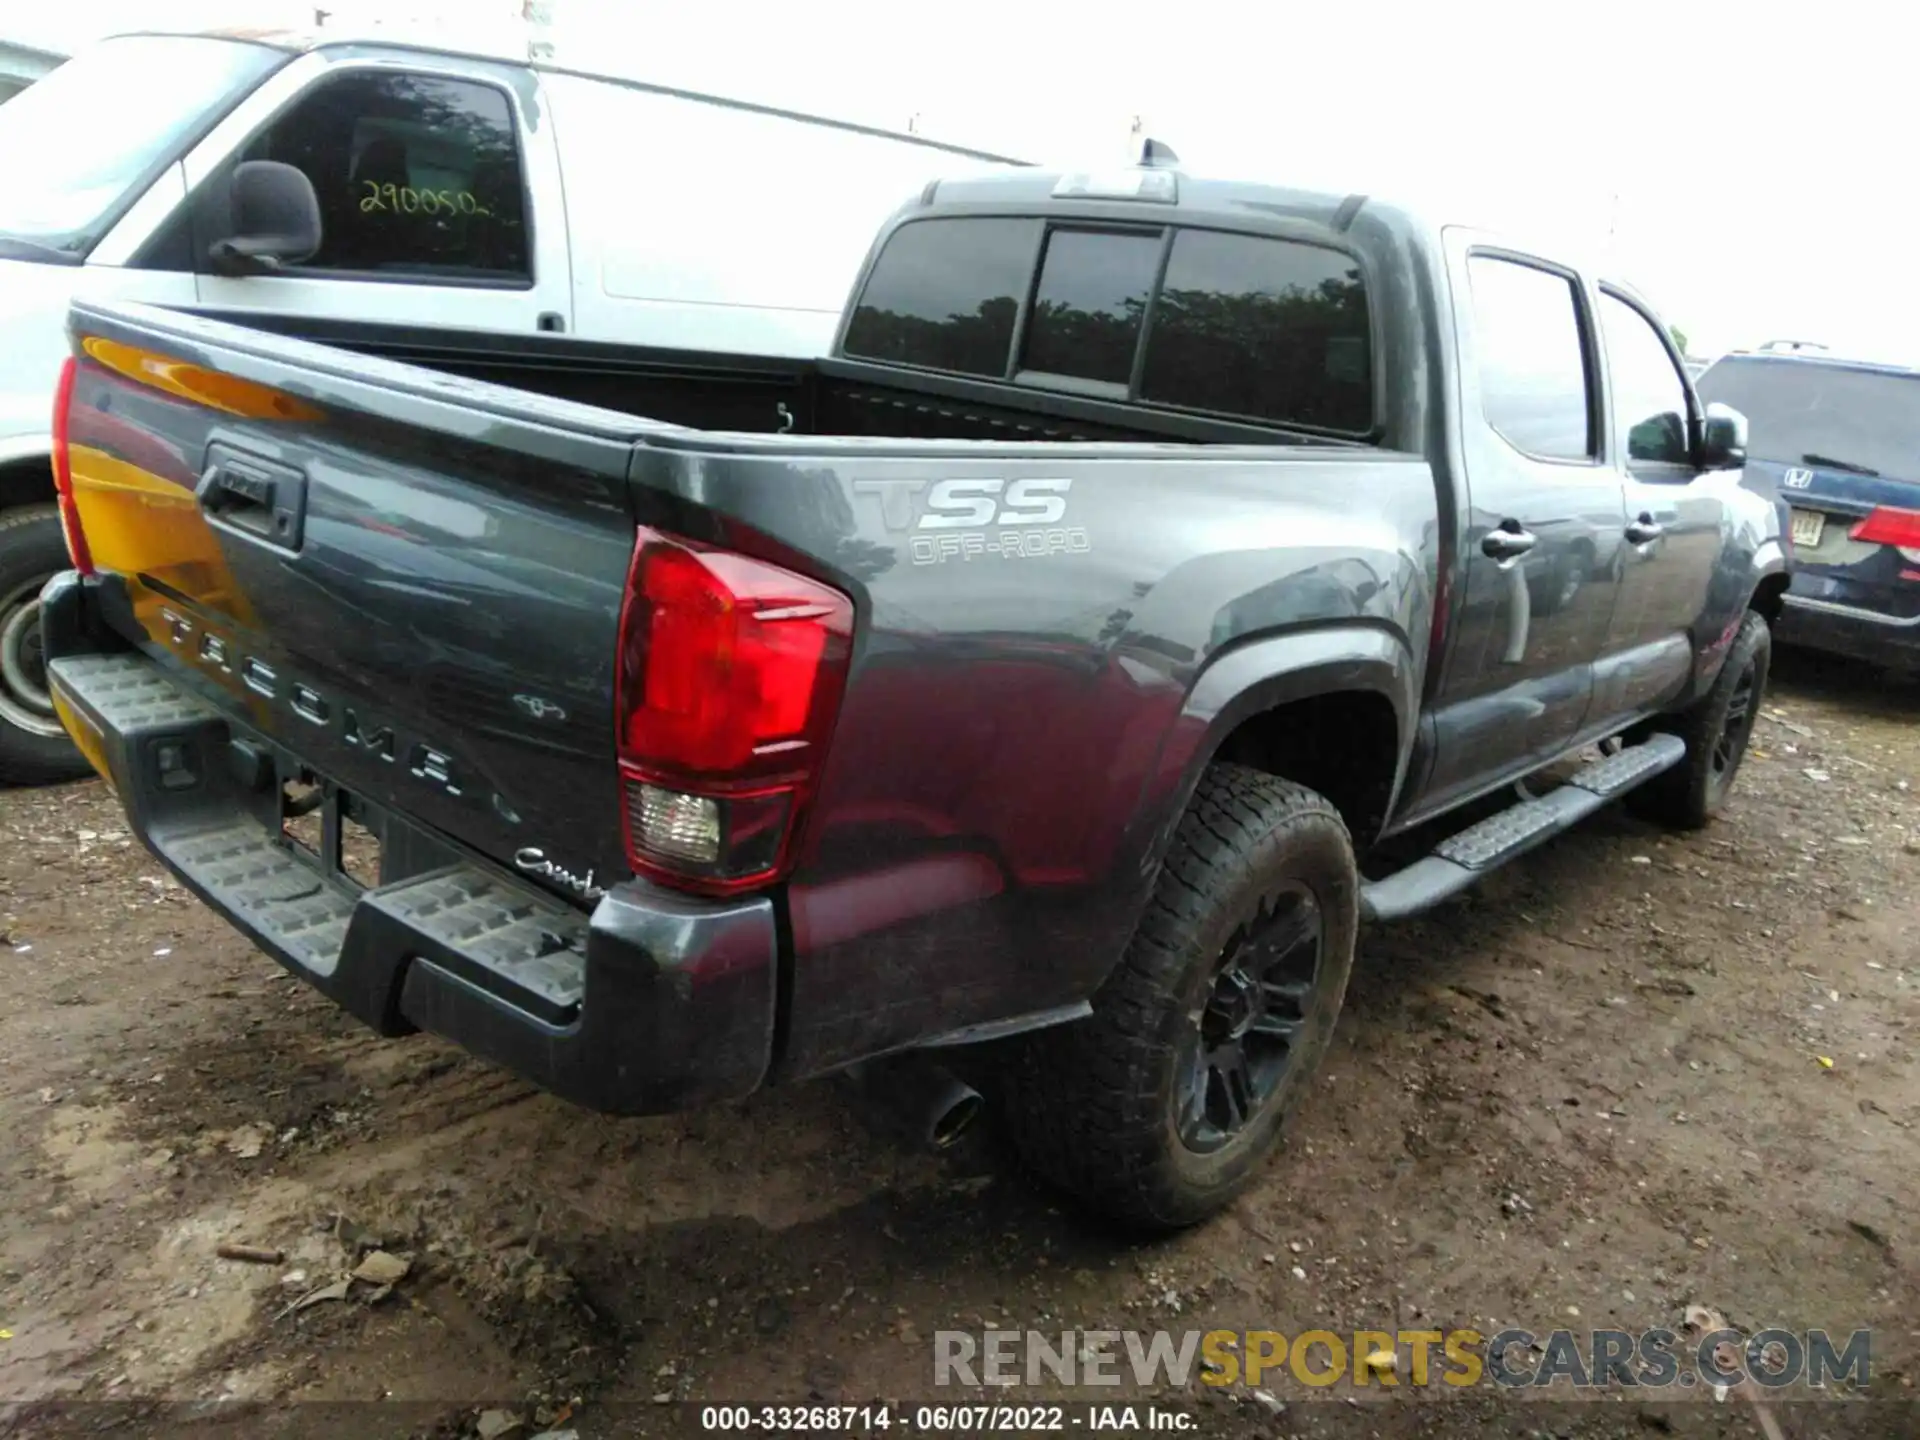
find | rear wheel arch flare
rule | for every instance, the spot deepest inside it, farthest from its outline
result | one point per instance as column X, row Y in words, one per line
column 1342, row 744
column 1337, row 703
column 1769, row 596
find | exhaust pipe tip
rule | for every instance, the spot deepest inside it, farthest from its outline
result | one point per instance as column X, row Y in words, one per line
column 917, row 1100
column 952, row 1114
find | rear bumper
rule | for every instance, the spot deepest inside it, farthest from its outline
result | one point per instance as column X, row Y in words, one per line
column 1848, row 630
column 653, row 1002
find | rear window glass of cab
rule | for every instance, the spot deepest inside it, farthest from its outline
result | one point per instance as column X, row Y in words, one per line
column 1244, row 326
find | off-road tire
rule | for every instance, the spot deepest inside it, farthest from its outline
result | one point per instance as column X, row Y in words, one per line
column 1692, row 792
column 32, row 548
column 1093, row 1106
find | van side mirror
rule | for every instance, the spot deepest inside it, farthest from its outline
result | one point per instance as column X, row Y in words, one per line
column 276, row 220
column 1723, row 438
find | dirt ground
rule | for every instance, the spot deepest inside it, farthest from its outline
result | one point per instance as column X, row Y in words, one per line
column 1593, row 1087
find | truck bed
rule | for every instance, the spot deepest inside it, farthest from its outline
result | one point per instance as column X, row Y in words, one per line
column 722, row 391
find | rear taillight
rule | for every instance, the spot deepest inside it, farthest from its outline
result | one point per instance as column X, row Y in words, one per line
column 63, row 471
column 731, row 671
column 1889, row 525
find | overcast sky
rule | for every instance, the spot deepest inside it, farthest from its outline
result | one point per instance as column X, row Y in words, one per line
column 1721, row 157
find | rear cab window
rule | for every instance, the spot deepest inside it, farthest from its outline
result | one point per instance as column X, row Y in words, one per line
column 1266, row 329
column 1239, row 326
column 417, row 175
column 945, row 295
column 1089, row 306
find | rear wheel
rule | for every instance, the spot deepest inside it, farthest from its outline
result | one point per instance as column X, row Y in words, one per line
column 1162, row 1106
column 1716, row 728
column 34, row 749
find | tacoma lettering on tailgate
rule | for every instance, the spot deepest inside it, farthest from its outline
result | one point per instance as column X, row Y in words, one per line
column 221, row 657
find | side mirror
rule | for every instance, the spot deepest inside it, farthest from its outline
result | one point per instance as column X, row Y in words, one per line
column 276, row 220
column 1723, row 438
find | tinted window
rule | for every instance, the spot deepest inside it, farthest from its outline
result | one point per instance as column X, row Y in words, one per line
column 1088, row 305
column 944, row 294
column 1267, row 329
column 1533, row 371
column 1800, row 408
column 415, row 175
column 71, row 164
column 1649, row 398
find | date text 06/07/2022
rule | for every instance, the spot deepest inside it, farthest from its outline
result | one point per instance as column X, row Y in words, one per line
column 941, row 1419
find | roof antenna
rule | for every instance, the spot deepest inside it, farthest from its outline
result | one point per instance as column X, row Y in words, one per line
column 1157, row 152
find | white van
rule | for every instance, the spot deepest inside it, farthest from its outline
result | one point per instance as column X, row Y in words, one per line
column 465, row 204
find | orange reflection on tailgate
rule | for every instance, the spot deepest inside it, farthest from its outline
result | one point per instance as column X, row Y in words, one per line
column 197, row 384
column 135, row 489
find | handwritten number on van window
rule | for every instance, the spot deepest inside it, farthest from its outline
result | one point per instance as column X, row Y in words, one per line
column 406, row 200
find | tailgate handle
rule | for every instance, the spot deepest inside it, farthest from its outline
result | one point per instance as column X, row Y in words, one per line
column 258, row 498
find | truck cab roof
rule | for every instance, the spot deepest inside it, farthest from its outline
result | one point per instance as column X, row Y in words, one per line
column 1149, row 192
column 1168, row 192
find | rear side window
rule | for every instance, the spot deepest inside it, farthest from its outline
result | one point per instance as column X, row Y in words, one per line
column 1532, row 358
column 1089, row 304
column 944, row 294
column 416, row 175
column 1267, row 329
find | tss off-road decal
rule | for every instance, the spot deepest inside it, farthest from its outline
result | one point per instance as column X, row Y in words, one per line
column 976, row 518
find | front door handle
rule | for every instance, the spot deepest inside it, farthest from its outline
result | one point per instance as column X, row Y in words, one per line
column 1507, row 541
column 1645, row 531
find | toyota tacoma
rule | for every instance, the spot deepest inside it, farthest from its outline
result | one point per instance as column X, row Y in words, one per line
column 1063, row 666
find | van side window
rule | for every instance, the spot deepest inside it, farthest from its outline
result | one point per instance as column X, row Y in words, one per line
column 416, row 175
column 1532, row 357
column 1089, row 304
column 1649, row 397
column 944, row 295
column 1269, row 330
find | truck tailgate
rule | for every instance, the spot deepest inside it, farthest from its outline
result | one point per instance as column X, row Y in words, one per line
column 353, row 566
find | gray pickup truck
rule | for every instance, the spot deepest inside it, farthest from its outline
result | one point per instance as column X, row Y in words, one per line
column 1058, row 673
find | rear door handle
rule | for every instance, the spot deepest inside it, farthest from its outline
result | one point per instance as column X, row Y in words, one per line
column 1508, row 541
column 1645, row 531
column 261, row 499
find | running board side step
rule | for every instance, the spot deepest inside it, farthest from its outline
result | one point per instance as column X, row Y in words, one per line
column 1461, row 859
